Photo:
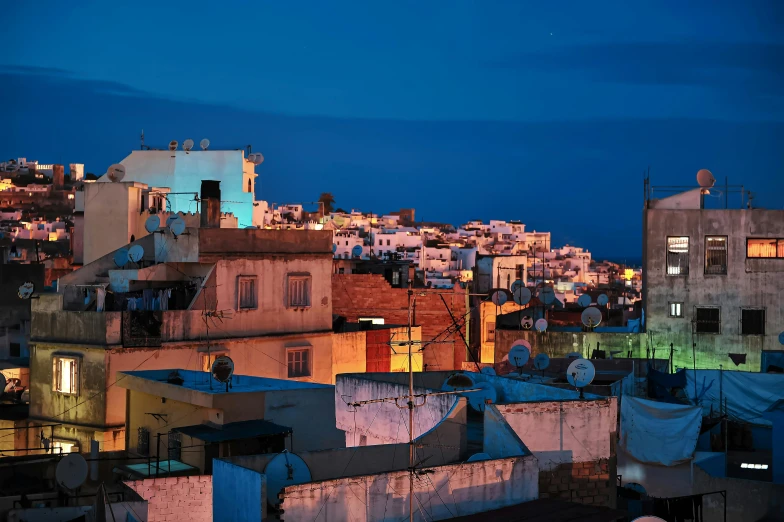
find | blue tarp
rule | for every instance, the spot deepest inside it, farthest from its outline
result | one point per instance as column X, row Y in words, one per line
column 660, row 384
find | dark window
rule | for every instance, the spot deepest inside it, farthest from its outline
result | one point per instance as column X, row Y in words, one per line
column 143, row 444
column 766, row 248
column 299, row 363
column 707, row 319
column 716, row 254
column 677, row 256
column 249, row 186
column 395, row 278
column 246, row 293
column 491, row 332
column 175, row 445
column 16, row 350
column 752, row 321
column 387, row 242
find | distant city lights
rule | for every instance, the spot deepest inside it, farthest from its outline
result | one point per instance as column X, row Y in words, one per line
column 754, row 466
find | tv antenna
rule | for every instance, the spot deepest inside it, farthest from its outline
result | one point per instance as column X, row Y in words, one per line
column 204, row 144
column 527, row 322
column 223, row 369
column 187, row 145
column 540, row 325
column 285, row 469
column 521, row 295
column 584, row 300
column 591, row 317
column 173, row 145
column 26, row 290
column 580, row 374
column 116, row 172
column 152, row 224
column 71, row 471
column 602, row 300
column 121, row 257
column 135, row 253
column 499, row 297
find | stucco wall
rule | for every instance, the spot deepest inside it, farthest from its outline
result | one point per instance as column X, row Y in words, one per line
column 348, row 353
column 559, row 344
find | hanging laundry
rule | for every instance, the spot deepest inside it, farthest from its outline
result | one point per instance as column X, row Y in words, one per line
column 165, row 295
column 100, row 299
column 131, row 303
column 738, row 358
column 147, row 296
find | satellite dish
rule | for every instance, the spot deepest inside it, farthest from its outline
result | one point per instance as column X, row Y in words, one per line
column 285, row 469
column 547, row 295
column 602, row 300
column 356, row 251
column 26, row 290
column 488, row 370
column 541, row 361
column 781, row 338
column 458, row 381
column 116, row 172
column 172, row 218
column 256, row 158
column 177, row 227
column 478, row 456
column 499, row 297
column 152, row 223
column 634, row 486
column 520, row 353
column 187, row 144
column 334, row 248
column 705, row 178
column 580, row 373
column 479, row 399
column 173, row 145
column 527, row 322
column 121, row 257
column 71, row 471
column 591, row 317
column 584, row 300
column 135, row 253
column 204, row 144
column 521, row 295
column 541, row 325
column 514, row 286
column 574, row 355
column 223, row 369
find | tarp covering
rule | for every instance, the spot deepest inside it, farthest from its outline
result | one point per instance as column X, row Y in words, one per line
column 747, row 394
column 660, row 384
column 657, row 432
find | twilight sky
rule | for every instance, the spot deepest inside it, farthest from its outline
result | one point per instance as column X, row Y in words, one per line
column 463, row 110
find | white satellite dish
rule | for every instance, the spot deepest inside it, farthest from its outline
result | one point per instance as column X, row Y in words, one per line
column 705, row 178
column 223, row 369
column 541, row 361
column 177, row 227
column 520, row 353
column 527, row 322
column 71, row 471
column 547, row 295
column 476, row 457
column 584, row 300
column 26, row 290
column 173, row 145
column 499, row 297
column 256, row 158
column 540, row 325
column 602, row 300
column 488, row 370
column 116, row 172
column 580, row 374
column 479, row 399
column 204, row 144
column 187, row 144
column 591, row 317
column 135, row 253
column 152, row 224
column 522, row 295
column 121, row 257
column 285, row 469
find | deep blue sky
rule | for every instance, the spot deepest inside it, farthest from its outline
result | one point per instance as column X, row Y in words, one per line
column 463, row 110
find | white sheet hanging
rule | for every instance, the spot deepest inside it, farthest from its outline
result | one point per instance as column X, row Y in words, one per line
column 658, row 432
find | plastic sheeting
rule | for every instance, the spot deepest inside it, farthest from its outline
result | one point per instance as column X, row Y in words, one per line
column 747, row 394
column 659, row 433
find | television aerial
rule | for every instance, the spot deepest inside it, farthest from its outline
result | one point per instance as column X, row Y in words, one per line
column 527, row 322
column 135, row 253
column 356, row 251
column 177, row 226
column 514, row 286
column 580, row 374
column 71, row 471
column 116, row 172
column 540, row 325
column 584, row 300
column 204, row 144
column 26, row 290
column 541, row 361
column 285, row 469
column 476, row 457
column 705, row 178
column 499, row 297
column 223, row 369
column 547, row 295
column 121, row 257
column 187, row 145
column 152, row 224
column 173, row 145
column 520, row 353
column 602, row 300
column 591, row 317
column 488, row 370
column 521, row 295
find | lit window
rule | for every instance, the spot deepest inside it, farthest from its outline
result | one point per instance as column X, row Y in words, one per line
column 707, row 319
column 716, row 254
column 766, row 248
column 677, row 256
column 298, row 362
column 65, row 372
column 246, row 293
column 676, row 310
column 298, row 291
column 752, row 321
column 490, row 332
column 746, row 465
column 64, row 446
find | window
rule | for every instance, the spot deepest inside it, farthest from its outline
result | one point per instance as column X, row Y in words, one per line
column 767, row 248
column 298, row 362
column 380, row 242
column 676, row 310
column 752, row 321
column 707, row 319
column 677, row 256
column 175, row 445
column 298, row 291
column 716, row 255
column 249, row 186
column 65, row 373
column 395, row 278
column 143, row 444
column 490, row 332
column 65, row 446
column 246, row 292
column 387, row 242
column 15, row 350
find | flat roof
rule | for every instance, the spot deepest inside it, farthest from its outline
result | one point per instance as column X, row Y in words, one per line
column 203, row 382
column 162, row 469
column 234, row 430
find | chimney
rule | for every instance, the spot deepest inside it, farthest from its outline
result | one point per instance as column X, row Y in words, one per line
column 58, row 176
column 210, row 204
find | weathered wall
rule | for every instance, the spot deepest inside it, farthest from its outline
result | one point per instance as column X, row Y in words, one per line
column 76, row 327
column 238, row 493
column 369, row 295
column 500, row 440
column 176, row 498
column 559, row 344
column 590, row 482
column 748, row 283
column 348, row 353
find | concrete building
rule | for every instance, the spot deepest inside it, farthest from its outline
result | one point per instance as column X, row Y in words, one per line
column 76, row 171
column 713, row 280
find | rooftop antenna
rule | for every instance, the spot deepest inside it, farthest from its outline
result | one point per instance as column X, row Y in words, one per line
column 152, row 224
column 187, row 145
column 121, row 257
column 285, row 469
column 591, row 317
column 116, row 172
column 71, row 471
column 580, row 374
column 204, row 144
column 135, row 253
column 142, row 145
column 584, row 300
column 26, row 290
column 223, row 369
column 519, row 354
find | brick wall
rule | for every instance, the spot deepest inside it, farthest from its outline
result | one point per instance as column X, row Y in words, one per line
column 369, row 295
column 176, row 498
column 583, row 482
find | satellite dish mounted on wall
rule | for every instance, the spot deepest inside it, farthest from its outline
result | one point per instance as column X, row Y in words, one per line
column 547, row 295
column 514, row 286
column 541, row 361
column 152, row 224
column 187, row 145
column 285, row 469
column 591, row 317
column 499, row 297
column 580, row 374
column 540, row 325
column 177, row 227
column 26, row 290
column 204, row 144
column 522, row 295
column 356, row 251
column 602, row 300
column 116, row 172
column 781, row 338
column 173, row 145
column 223, row 369
column 584, row 300
column 705, row 179
column 136, row 253
column 487, row 394
column 121, row 257
column 519, row 354
column 527, row 322
column 71, row 471
column 256, row 158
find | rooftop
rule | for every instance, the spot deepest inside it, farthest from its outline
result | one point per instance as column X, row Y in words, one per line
column 204, row 383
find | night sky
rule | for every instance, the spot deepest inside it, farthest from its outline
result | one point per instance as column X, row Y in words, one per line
column 464, row 110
